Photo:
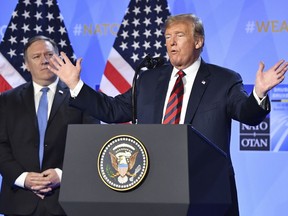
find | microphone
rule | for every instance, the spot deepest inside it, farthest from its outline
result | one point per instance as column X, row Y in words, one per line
column 150, row 62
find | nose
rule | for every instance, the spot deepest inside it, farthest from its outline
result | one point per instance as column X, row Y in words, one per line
column 173, row 41
column 45, row 59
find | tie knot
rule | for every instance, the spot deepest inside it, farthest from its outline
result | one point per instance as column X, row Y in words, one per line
column 44, row 90
column 181, row 73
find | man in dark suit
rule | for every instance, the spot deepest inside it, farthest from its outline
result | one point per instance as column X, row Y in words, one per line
column 213, row 95
column 27, row 188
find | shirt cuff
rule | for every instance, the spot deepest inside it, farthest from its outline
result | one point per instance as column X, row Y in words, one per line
column 59, row 172
column 74, row 92
column 259, row 100
column 20, row 181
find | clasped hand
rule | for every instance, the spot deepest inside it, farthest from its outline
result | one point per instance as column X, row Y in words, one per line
column 42, row 183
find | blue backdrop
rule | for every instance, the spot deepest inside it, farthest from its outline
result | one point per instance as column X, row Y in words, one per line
column 239, row 34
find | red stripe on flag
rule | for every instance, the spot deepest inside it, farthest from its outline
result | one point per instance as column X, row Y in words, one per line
column 4, row 85
column 116, row 78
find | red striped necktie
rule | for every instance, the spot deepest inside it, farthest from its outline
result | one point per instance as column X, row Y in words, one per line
column 174, row 105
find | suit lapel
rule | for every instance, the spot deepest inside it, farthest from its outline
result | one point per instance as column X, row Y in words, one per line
column 162, row 86
column 200, row 84
column 27, row 96
column 62, row 92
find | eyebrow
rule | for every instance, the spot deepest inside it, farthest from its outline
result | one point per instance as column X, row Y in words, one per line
column 177, row 32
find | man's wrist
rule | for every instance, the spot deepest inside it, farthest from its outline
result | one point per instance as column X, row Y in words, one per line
column 74, row 92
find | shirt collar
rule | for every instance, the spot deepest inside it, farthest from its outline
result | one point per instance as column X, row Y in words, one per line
column 52, row 87
column 189, row 70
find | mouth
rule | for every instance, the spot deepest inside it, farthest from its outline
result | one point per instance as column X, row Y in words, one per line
column 45, row 69
column 173, row 51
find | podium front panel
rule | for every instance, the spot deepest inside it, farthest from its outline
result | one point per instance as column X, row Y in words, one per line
column 171, row 186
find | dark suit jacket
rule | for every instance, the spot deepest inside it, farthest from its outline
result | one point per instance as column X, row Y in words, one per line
column 217, row 97
column 19, row 140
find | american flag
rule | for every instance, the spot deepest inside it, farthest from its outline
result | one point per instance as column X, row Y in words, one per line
column 30, row 18
column 140, row 34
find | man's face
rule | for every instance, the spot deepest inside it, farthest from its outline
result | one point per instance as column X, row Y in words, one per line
column 181, row 45
column 37, row 60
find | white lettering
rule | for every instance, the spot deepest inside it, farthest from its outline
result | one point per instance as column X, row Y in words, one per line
column 254, row 143
column 261, row 127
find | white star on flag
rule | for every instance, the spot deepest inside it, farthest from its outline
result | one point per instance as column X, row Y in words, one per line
column 30, row 18
column 139, row 35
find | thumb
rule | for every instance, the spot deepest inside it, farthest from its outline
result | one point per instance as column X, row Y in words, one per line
column 260, row 68
column 78, row 64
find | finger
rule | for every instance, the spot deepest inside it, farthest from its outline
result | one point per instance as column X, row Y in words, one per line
column 40, row 186
column 46, row 172
column 278, row 64
column 39, row 178
column 40, row 195
column 52, row 69
column 78, row 64
column 65, row 58
column 57, row 61
column 34, row 180
column 34, row 175
column 45, row 190
column 53, row 65
column 283, row 68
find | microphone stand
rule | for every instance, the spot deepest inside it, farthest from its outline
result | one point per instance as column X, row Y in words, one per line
column 149, row 63
column 134, row 97
column 134, row 101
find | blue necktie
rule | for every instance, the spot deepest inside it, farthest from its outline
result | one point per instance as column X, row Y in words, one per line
column 42, row 114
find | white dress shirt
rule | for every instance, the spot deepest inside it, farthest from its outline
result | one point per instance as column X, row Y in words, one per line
column 188, row 81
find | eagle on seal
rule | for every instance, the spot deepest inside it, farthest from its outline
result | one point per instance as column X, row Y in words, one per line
column 123, row 163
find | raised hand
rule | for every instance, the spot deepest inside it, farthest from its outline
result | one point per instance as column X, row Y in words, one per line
column 65, row 70
column 266, row 80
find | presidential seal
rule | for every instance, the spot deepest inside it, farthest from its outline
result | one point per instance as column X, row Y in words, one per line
column 122, row 163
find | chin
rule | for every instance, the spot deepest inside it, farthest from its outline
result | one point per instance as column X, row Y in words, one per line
column 177, row 65
column 174, row 63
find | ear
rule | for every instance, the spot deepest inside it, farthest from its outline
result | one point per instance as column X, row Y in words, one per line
column 199, row 42
column 27, row 66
